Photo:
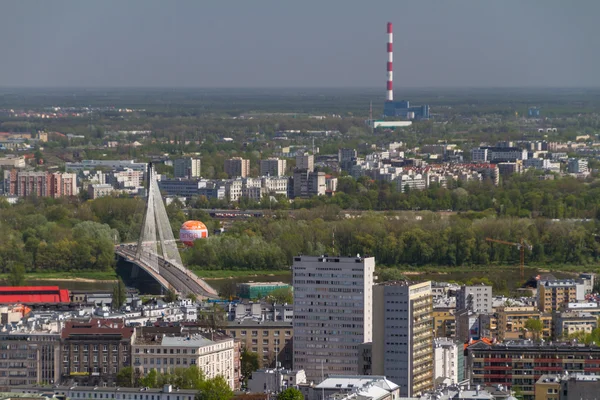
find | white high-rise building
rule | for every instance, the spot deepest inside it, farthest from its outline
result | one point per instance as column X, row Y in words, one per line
column 305, row 161
column 476, row 298
column 272, row 167
column 333, row 299
column 447, row 363
column 402, row 348
column 187, row 168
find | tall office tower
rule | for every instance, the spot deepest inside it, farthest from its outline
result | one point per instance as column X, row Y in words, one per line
column 305, row 161
column 272, row 167
column 187, row 168
column 332, row 313
column 402, row 347
column 237, row 166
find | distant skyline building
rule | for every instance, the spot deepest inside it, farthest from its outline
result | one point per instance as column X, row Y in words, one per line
column 187, row 168
column 237, row 166
column 273, row 167
column 305, row 161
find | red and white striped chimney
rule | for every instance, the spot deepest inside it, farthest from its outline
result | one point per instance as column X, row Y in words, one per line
column 390, row 69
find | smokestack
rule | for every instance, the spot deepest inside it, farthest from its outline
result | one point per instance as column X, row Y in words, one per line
column 390, row 69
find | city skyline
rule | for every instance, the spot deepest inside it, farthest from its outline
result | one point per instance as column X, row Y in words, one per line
column 271, row 45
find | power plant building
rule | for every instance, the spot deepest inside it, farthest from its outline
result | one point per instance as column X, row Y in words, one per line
column 399, row 109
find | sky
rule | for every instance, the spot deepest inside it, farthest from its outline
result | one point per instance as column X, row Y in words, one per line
column 305, row 43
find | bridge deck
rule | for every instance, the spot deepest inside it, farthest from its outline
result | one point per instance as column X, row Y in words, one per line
column 182, row 280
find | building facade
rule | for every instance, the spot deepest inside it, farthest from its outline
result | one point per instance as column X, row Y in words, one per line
column 187, row 168
column 237, row 167
column 29, row 358
column 273, row 167
column 214, row 356
column 477, row 298
column 521, row 364
column 332, row 312
column 403, row 335
column 94, row 351
column 271, row 340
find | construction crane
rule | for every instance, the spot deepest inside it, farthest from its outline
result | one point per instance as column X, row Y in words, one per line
column 521, row 246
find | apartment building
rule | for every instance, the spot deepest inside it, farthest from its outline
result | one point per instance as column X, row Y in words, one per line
column 40, row 184
column 555, row 295
column 305, row 161
column 188, row 168
column 273, row 167
column 522, row 363
column 448, row 361
column 568, row 323
column 307, row 184
column 237, row 167
column 477, row 298
column 402, row 347
column 212, row 353
column 94, row 351
column 332, row 313
column 511, row 321
column 97, row 190
column 577, row 166
column 76, row 392
column 271, row 340
column 29, row 357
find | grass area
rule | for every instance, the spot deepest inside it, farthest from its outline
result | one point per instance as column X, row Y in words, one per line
column 216, row 274
column 88, row 275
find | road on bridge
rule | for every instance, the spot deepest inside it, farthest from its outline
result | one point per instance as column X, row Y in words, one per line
column 183, row 281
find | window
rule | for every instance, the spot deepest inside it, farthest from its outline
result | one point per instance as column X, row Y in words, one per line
column 75, row 358
column 265, row 333
column 243, row 333
column 95, row 359
column 95, row 347
column 105, row 347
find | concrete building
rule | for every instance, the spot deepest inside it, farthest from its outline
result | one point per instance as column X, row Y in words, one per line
column 305, row 161
column 403, row 335
column 273, row 167
column 555, row 295
column 332, row 312
column 126, row 178
column 346, row 387
column 511, row 320
column 40, row 184
column 308, row 184
column 10, row 162
column 275, row 380
column 269, row 339
column 187, row 168
column 406, row 182
column 477, row 298
column 77, row 392
column 568, row 323
column 520, row 363
column 29, row 357
column 105, row 164
column 94, row 351
column 347, row 158
column 164, row 352
column 237, row 167
column 577, row 166
column 99, row 190
column 448, row 362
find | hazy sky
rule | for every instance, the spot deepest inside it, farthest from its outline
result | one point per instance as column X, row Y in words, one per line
column 303, row 43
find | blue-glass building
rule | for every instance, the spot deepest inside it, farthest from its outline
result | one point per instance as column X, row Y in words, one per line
column 402, row 109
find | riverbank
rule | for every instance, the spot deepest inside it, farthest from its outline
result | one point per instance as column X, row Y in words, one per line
column 69, row 276
column 221, row 274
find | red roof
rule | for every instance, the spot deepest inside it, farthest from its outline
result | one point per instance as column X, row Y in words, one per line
column 33, row 294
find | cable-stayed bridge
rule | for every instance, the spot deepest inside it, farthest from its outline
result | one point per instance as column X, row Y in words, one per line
column 156, row 251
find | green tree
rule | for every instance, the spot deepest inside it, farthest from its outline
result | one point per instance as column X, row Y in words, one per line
column 281, row 296
column 214, row 319
column 215, row 389
column 16, row 275
column 119, row 295
column 249, row 363
column 535, row 326
column 290, row 394
column 170, row 295
column 125, row 377
column 149, row 380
